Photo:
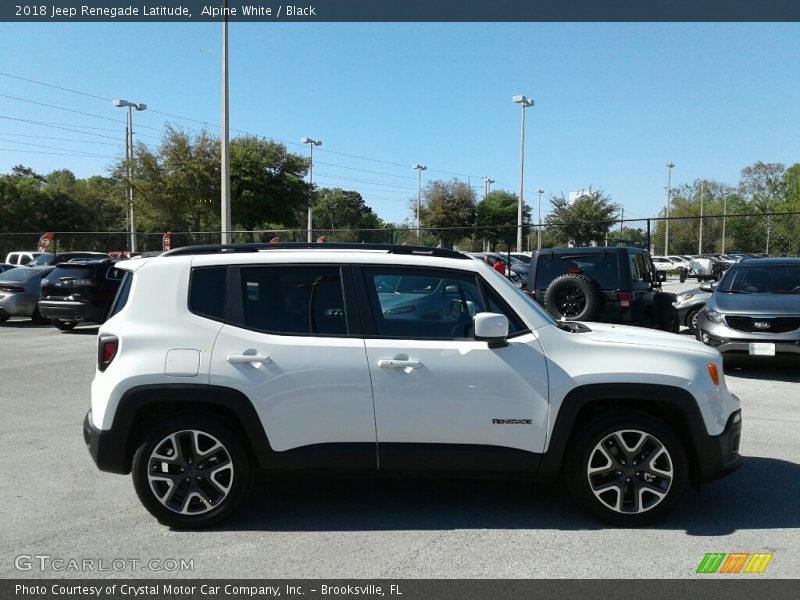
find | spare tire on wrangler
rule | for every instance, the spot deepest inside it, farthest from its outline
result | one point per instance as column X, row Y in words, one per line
column 574, row 297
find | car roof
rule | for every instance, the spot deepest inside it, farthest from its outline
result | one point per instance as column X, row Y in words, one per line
column 777, row 260
column 593, row 249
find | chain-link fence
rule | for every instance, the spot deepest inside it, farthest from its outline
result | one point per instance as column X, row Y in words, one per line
column 776, row 234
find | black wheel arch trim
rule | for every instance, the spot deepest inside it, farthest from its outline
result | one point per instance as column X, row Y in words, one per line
column 113, row 449
column 708, row 461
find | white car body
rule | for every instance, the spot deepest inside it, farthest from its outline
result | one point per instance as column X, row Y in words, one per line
column 332, row 389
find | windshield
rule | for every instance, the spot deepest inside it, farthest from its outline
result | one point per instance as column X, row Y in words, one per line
column 43, row 259
column 761, row 279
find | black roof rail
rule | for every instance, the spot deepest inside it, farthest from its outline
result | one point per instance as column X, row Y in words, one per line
column 257, row 247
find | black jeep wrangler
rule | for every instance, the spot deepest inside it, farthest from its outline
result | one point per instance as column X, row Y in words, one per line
column 612, row 285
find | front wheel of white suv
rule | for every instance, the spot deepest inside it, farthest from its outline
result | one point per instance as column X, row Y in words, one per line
column 191, row 472
column 628, row 469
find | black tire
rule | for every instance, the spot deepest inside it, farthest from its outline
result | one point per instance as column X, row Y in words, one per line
column 4, row 318
column 207, row 501
column 691, row 319
column 37, row 317
column 573, row 297
column 63, row 325
column 682, row 275
column 624, row 482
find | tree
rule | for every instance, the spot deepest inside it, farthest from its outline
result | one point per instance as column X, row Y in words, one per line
column 176, row 186
column 346, row 211
column 585, row 221
column 267, row 185
column 449, row 207
column 497, row 217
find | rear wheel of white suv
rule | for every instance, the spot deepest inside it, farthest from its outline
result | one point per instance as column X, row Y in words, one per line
column 191, row 472
column 628, row 469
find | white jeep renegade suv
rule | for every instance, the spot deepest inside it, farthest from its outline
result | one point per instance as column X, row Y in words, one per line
column 218, row 360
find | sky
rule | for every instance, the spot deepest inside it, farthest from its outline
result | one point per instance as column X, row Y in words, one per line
column 613, row 102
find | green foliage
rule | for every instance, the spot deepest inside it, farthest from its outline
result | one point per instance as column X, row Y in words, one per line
column 267, row 184
column 449, row 207
column 347, row 212
column 497, row 217
column 585, row 221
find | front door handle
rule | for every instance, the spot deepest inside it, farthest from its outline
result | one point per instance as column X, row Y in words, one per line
column 243, row 359
column 392, row 363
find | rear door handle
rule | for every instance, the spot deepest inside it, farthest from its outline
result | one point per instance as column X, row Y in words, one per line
column 243, row 359
column 391, row 363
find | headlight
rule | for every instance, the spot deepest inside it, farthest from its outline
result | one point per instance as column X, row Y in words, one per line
column 685, row 297
column 714, row 316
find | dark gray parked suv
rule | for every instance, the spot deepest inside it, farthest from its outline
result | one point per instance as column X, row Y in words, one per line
column 755, row 309
column 607, row 284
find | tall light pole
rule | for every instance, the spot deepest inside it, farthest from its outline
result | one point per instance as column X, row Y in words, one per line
column 724, row 210
column 524, row 103
column 420, row 169
column 311, row 143
column 702, row 194
column 539, row 229
column 669, row 201
column 487, row 182
column 225, row 150
column 129, row 159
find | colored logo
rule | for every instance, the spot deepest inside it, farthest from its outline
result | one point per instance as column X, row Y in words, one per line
column 735, row 562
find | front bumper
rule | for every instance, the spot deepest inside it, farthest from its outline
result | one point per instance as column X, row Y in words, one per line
column 732, row 341
column 718, row 456
column 107, row 450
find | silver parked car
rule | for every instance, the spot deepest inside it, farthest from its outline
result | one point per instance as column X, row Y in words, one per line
column 19, row 293
column 755, row 308
column 688, row 306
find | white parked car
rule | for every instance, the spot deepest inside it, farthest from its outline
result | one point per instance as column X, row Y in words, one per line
column 388, row 360
column 22, row 257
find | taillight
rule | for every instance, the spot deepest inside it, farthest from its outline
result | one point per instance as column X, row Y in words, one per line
column 624, row 300
column 107, row 346
column 11, row 289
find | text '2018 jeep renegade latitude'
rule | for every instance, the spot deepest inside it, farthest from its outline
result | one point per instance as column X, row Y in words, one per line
column 389, row 360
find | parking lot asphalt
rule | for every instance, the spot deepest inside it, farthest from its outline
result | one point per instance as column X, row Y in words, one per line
column 54, row 502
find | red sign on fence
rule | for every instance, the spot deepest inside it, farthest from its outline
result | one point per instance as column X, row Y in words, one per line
column 166, row 241
column 44, row 241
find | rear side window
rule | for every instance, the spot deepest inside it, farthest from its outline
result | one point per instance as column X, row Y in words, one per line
column 295, row 300
column 602, row 267
column 207, row 292
column 123, row 292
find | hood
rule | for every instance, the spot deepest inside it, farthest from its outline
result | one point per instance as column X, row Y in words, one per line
column 607, row 333
column 756, row 304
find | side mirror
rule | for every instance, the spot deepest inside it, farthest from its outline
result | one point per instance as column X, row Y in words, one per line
column 661, row 276
column 492, row 328
column 707, row 287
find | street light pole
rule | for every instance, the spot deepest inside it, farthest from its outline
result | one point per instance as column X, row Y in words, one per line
column 539, row 229
column 420, row 169
column 487, row 182
column 311, row 143
column 669, row 201
column 702, row 193
column 524, row 103
column 724, row 210
column 129, row 156
column 225, row 166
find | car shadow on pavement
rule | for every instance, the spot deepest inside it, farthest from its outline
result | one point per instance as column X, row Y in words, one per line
column 83, row 330
column 24, row 324
column 773, row 368
column 763, row 494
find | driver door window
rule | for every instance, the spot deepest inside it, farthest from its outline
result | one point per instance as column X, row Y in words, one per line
column 422, row 303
